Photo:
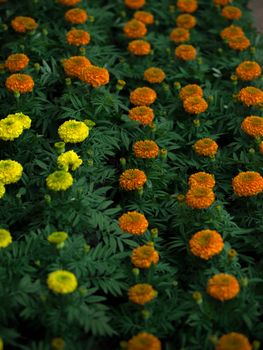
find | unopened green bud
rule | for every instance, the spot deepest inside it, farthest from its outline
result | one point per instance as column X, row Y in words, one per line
column 256, row 345
column 146, row 314
column 196, row 122
column 47, row 198
column 90, row 162
column 135, row 271
column 83, row 291
column 213, row 339
column 45, row 31
column 68, row 81
column 197, row 296
column 82, row 51
column 90, row 123
column 123, row 162
column 4, row 27
column 163, row 153
column 87, row 248
column 140, row 191
column 252, row 151
column 154, row 232
column 60, row 147
column 16, row 94
column 120, row 84
column 244, row 281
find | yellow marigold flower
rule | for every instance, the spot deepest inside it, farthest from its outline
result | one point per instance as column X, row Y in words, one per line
column 21, row 83
column 248, row 70
column 247, row 184
column 239, row 43
column 143, row 257
column 76, row 16
column 135, row 29
column 142, row 114
column 251, row 96
column 143, row 96
column 205, row 147
column 199, row 197
column 22, row 118
column 195, row 104
column 2, row 190
column 73, row 131
column 5, row 238
column 202, row 179
column 23, row 24
column 139, row 47
column 223, row 287
column 144, row 341
column 95, row 76
column 57, row 237
column 231, row 12
column 132, row 179
column 70, row 160
column 60, row 180
column 260, row 147
column 144, row 16
column 62, row 282
column 10, row 129
column 179, row 35
column 10, row 171
column 231, row 32
column 185, row 52
column 222, row 2
column 253, row 126
column 78, row 37
column 133, row 222
column 145, row 149
column 16, row 62
column 186, row 21
column 141, row 293
column 74, row 65
column 134, row 4
column 206, row 243
column 69, row 2
column 188, row 6
column 58, row 344
column 190, row 90
column 233, row 341
column 154, row 75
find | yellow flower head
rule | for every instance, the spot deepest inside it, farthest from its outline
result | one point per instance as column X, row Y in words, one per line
column 2, row 190
column 69, row 160
column 10, row 129
column 73, row 131
column 57, row 237
column 62, row 282
column 10, row 171
column 60, row 180
column 5, row 238
column 22, row 118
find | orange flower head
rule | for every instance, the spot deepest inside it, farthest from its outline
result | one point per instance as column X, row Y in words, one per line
column 190, row 90
column 239, row 43
column 253, row 126
column 21, row 83
column 195, row 105
column 146, row 149
column 223, row 287
column 78, row 37
column 206, row 243
column 185, row 52
column 141, row 293
column 247, row 184
column 74, row 65
column 154, row 75
column 199, row 197
column 143, row 96
column 76, row 16
column 186, row 21
column 139, row 47
column 142, row 114
column 133, row 223
column 144, row 341
column 251, row 96
column 248, row 70
column 222, row 2
column 23, row 24
column 205, row 147
column 231, row 32
column 143, row 257
column 144, row 17
column 179, row 35
column 231, row 12
column 135, row 29
column 16, row 62
column 134, row 4
column 233, row 341
column 95, row 76
column 202, row 179
column 132, row 179
column 188, row 6
column 69, row 2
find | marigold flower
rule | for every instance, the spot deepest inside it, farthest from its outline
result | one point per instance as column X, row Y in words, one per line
column 223, row 287
column 195, row 104
column 58, row 344
column 2, row 190
column 23, row 24
column 222, row 2
column 144, row 17
column 247, row 184
column 21, row 83
column 134, row 4
column 57, row 237
column 135, row 29
column 10, row 129
column 251, row 96
column 231, row 12
column 179, row 35
column 139, row 47
column 76, row 16
column 74, row 65
column 143, row 96
column 141, row 293
column 253, row 126
column 185, row 52
column 70, row 160
column 231, row 32
column 22, row 118
column 199, row 197
column 95, row 76
column 144, row 256
column 145, row 149
column 62, row 282
column 188, row 6
column 186, row 21
column 142, row 114
column 205, row 147
column 206, row 243
column 78, row 37
column 5, row 238
column 233, row 341
column 154, row 75
column 248, row 70
column 133, row 222
column 60, row 180
column 10, row 171
column 69, row 2
column 239, row 43
column 201, row 179
column 190, row 90
column 144, row 341
column 132, row 179
column 73, row 131
column 16, row 62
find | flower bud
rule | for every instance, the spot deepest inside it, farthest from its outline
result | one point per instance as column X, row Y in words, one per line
column 256, row 345
column 199, row 60
column 197, row 296
column 123, row 162
column 60, row 147
column 196, row 122
column 4, row 27
column 90, row 123
column 91, row 19
column 146, row 314
column 213, row 339
column 68, row 81
column 180, row 197
column 83, row 291
column 154, row 232
column 45, row 31
column 90, row 162
column 140, row 191
column 177, row 85
column 244, row 281
column 231, row 254
column 16, row 94
column 82, row 51
column 252, row 151
column 47, row 198
column 120, row 84
column 152, row 126
column 87, row 248
column 135, row 272
column 163, row 153
column 37, row 67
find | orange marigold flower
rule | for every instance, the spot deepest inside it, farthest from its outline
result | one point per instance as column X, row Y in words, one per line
column 142, row 114
column 16, row 62
column 74, row 65
column 205, row 147
column 132, row 179
column 154, row 75
column 95, row 76
column 135, row 29
column 134, row 4
column 188, row 6
column 223, row 287
column 185, row 52
column 199, row 197
column 78, row 37
column 231, row 32
column 23, row 24
column 206, row 243
column 233, row 341
column 143, row 96
column 202, row 179
column 253, row 126
column 190, row 90
column 143, row 257
column 133, row 222
column 231, row 12
column 260, row 147
column 247, row 184
column 146, row 149
column 186, row 21
column 76, row 16
column 179, row 35
column 144, row 17
column 139, row 47
column 239, row 43
column 248, row 70
column 251, row 96
column 21, row 83
column 195, row 105
column 144, row 341
column 141, row 293
column 69, row 2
